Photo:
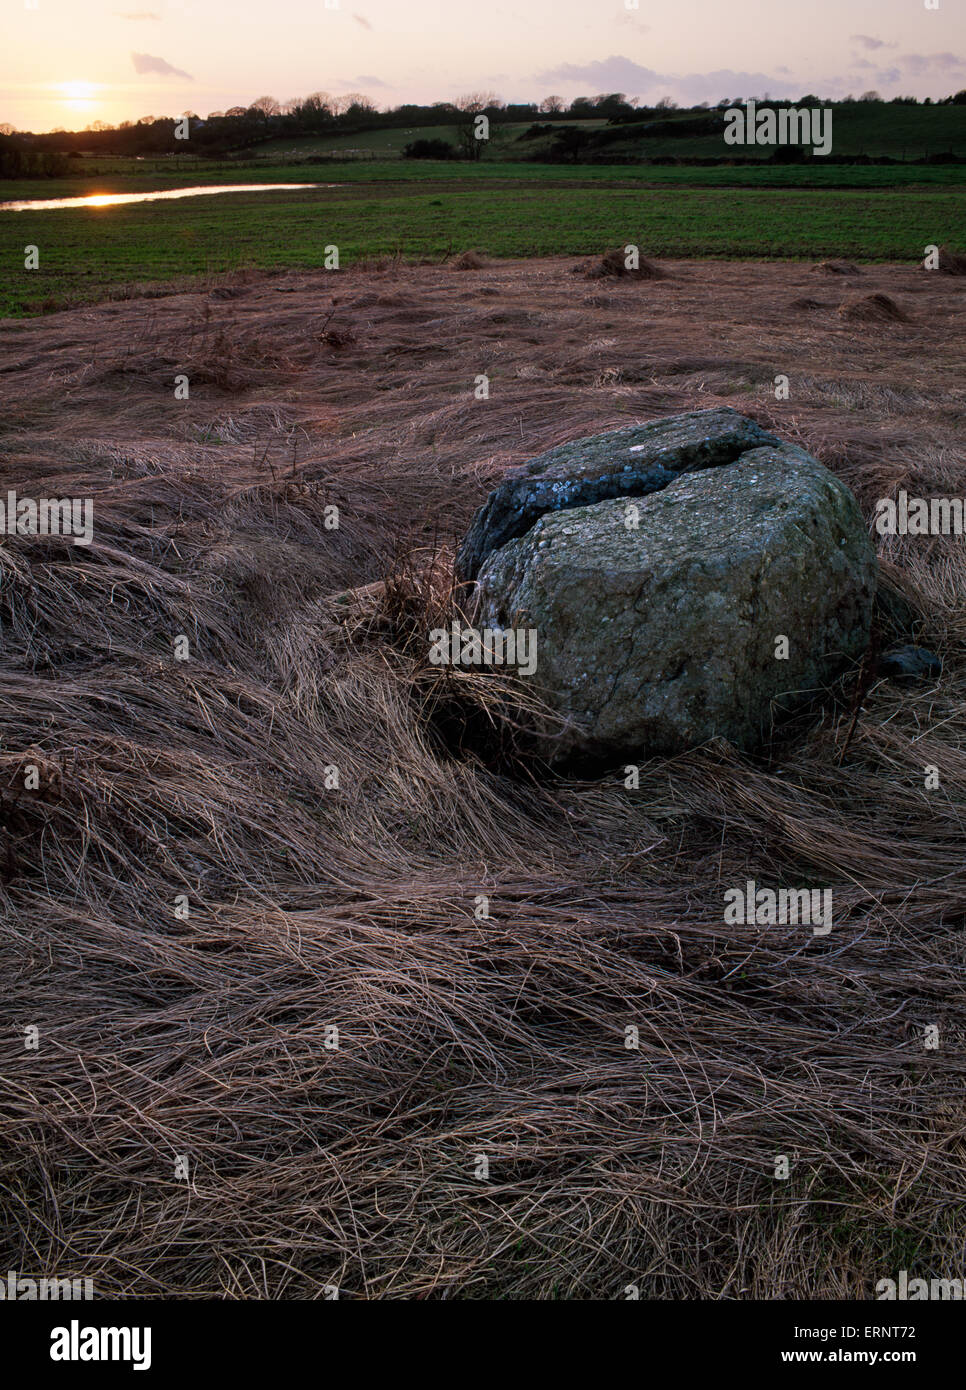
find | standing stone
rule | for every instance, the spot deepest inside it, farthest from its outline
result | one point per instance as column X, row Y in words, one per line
column 657, row 637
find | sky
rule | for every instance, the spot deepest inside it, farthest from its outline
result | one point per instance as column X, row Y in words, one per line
column 66, row 63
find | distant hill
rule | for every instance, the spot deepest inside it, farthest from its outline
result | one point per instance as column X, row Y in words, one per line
column 615, row 133
column 860, row 130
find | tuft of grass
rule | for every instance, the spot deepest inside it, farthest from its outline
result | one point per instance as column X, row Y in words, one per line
column 838, row 268
column 873, row 308
column 951, row 262
column 613, row 265
column 469, row 260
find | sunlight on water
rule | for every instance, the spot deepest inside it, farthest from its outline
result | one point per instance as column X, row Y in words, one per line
column 104, row 200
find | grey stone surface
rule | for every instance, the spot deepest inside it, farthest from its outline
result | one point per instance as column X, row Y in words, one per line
column 629, row 462
column 655, row 639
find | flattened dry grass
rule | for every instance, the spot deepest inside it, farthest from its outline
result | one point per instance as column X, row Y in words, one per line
column 356, row 906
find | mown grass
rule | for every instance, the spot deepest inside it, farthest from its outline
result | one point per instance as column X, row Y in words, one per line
column 89, row 254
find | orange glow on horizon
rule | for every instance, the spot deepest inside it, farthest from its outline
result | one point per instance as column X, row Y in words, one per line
column 78, row 97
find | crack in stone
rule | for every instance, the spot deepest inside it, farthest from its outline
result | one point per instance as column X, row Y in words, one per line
column 585, row 472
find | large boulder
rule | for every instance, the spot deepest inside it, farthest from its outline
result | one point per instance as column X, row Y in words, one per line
column 656, row 636
column 624, row 463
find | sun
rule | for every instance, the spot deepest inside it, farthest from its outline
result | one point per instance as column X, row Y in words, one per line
column 79, row 97
column 77, row 91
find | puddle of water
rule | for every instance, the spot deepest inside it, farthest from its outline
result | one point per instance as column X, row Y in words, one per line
column 106, row 200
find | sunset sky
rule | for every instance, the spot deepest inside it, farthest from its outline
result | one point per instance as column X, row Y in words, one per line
column 69, row 62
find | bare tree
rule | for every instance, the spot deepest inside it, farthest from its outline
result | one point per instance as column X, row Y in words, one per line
column 468, row 131
column 551, row 105
column 359, row 101
column 474, row 102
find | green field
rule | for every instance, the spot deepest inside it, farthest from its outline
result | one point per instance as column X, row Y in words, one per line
column 389, row 143
column 859, row 129
column 503, row 211
column 105, row 175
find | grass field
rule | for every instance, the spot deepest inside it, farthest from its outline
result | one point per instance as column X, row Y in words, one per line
column 88, row 254
column 900, row 132
column 128, row 175
column 208, row 1035
column 862, row 128
column 387, row 143
column 390, row 143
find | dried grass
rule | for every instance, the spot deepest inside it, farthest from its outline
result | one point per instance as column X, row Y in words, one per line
column 838, row 268
column 613, row 265
column 469, row 260
column 951, row 262
column 312, row 906
column 873, row 308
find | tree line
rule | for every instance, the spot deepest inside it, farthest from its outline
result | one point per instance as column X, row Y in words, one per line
column 25, row 154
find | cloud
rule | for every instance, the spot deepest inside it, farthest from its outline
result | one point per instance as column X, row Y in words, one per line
column 146, row 62
column 612, row 74
column 833, row 87
column 868, row 42
column 616, row 74
column 365, row 79
column 905, row 67
column 361, row 19
column 919, row 63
